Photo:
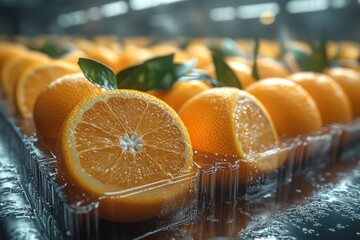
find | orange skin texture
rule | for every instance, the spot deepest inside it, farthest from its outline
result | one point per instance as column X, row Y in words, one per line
column 331, row 100
column 349, row 80
column 57, row 100
column 291, row 108
column 180, row 92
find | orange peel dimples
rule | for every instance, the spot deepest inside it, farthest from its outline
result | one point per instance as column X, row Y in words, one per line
column 292, row 109
column 331, row 100
column 232, row 123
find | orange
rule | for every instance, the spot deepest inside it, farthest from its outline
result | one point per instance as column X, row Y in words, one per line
column 8, row 50
column 331, row 100
column 117, row 143
column 349, row 80
column 180, row 92
column 132, row 55
column 239, row 66
column 291, row 108
column 16, row 65
column 167, row 48
column 228, row 121
column 201, row 52
column 243, row 72
column 32, row 81
column 73, row 56
column 270, row 68
column 348, row 50
column 269, row 48
column 99, row 53
column 56, row 101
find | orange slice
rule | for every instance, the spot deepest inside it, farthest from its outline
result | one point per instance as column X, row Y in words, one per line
column 33, row 80
column 122, row 140
column 15, row 66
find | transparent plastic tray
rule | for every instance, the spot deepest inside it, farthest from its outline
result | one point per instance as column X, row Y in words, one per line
column 213, row 183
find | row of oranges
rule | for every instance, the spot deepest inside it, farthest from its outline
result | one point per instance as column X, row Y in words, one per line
column 111, row 140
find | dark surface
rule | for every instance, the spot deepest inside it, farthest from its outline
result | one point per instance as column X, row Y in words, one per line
column 317, row 205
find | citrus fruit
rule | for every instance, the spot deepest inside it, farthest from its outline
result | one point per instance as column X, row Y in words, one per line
column 270, row 68
column 331, row 100
column 167, row 48
column 239, row 66
column 8, row 50
column 269, row 48
column 99, row 53
column 228, row 121
column 349, row 80
column 201, row 52
column 348, row 50
column 121, row 141
column 180, row 92
column 16, row 65
column 291, row 108
column 56, row 101
column 243, row 72
column 73, row 56
column 32, row 81
column 132, row 55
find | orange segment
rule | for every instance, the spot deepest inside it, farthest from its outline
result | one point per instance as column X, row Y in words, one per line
column 34, row 80
column 228, row 121
column 122, row 139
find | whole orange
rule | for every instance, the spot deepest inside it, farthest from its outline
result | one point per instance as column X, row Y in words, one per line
column 180, row 92
column 331, row 100
column 349, row 80
column 291, row 108
column 57, row 100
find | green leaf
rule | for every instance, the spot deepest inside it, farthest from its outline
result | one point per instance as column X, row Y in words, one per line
column 227, row 48
column 319, row 56
column 224, row 73
column 303, row 60
column 255, row 72
column 98, row 73
column 51, row 49
column 317, row 61
column 230, row 47
column 156, row 73
column 184, row 68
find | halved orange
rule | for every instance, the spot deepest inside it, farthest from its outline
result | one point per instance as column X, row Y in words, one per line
column 228, row 121
column 33, row 80
column 233, row 124
column 16, row 65
column 119, row 141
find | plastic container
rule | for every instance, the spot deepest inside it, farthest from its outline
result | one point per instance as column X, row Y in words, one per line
column 78, row 218
column 219, row 182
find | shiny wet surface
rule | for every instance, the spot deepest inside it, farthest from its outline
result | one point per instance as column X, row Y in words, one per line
column 317, row 205
column 322, row 204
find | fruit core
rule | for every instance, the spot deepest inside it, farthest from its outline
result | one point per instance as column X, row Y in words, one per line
column 131, row 143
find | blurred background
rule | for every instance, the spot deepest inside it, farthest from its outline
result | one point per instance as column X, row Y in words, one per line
column 297, row 19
